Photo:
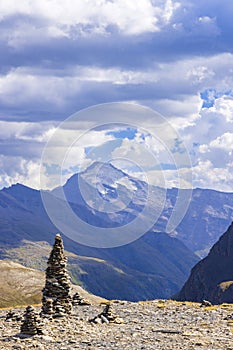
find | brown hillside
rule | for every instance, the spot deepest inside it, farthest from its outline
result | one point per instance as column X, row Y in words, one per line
column 20, row 285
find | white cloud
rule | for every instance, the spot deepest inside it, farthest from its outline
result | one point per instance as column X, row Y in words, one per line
column 172, row 88
column 219, row 150
column 74, row 54
column 199, row 74
column 224, row 142
column 17, row 88
column 77, row 17
column 211, row 124
column 180, row 112
column 20, row 161
column 136, row 153
column 205, row 175
column 19, row 170
column 27, row 131
column 224, row 107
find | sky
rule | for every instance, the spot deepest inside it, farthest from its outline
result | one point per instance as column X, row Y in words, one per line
column 60, row 57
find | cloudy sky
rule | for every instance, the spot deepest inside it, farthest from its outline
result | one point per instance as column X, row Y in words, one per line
column 59, row 57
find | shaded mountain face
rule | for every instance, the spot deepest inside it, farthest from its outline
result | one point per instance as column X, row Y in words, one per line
column 154, row 266
column 212, row 277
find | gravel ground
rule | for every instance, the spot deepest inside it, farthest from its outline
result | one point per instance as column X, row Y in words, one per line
column 154, row 324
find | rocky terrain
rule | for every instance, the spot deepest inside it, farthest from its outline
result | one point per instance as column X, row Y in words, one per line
column 68, row 320
column 154, row 324
column 212, row 277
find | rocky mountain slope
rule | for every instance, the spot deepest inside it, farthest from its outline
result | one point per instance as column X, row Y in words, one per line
column 212, row 277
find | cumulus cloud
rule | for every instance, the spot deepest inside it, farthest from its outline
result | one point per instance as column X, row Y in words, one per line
column 224, row 142
column 16, row 169
column 205, row 173
column 59, row 57
column 166, row 87
column 93, row 16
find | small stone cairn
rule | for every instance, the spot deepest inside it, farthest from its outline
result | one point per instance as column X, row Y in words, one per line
column 31, row 324
column 56, row 300
column 107, row 316
column 78, row 300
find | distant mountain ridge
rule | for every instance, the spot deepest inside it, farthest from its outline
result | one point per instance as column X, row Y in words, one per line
column 156, row 265
column 212, row 277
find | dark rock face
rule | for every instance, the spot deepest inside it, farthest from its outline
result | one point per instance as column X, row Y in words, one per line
column 57, row 300
column 212, row 277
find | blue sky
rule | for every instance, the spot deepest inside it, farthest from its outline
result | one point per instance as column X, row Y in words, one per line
column 172, row 56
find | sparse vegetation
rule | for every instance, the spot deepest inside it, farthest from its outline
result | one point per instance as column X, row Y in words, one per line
column 225, row 285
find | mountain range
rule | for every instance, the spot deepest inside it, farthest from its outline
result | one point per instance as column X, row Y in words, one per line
column 156, row 265
column 209, row 213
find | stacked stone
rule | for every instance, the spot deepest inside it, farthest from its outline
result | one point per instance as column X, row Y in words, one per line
column 31, row 324
column 47, row 307
column 107, row 316
column 56, row 300
column 78, row 300
column 108, row 313
column 12, row 316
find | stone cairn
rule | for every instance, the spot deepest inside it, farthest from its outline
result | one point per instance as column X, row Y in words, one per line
column 31, row 324
column 78, row 300
column 107, row 316
column 56, row 300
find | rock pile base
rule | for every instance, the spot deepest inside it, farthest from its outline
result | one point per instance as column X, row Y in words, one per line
column 107, row 316
column 31, row 324
column 78, row 300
